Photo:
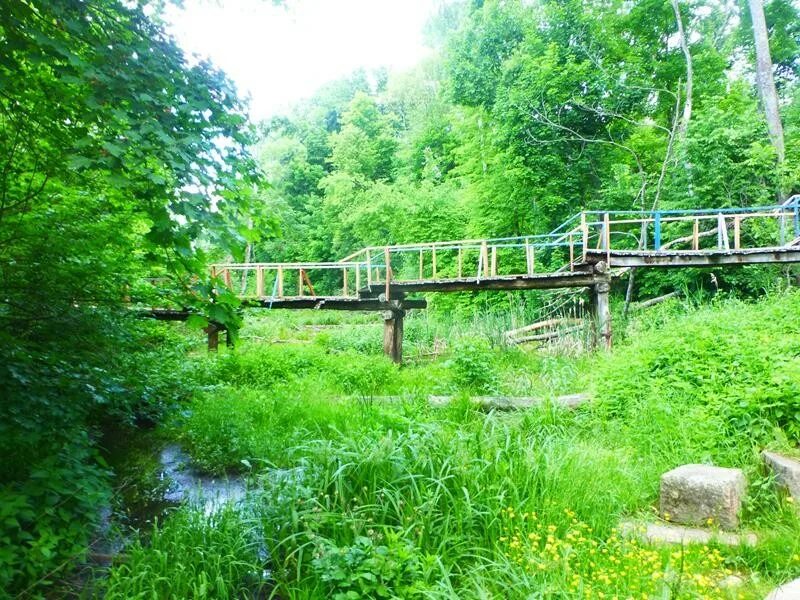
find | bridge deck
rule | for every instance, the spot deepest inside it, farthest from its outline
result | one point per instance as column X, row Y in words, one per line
column 695, row 258
column 537, row 281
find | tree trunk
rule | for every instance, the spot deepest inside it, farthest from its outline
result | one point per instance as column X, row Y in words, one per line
column 687, row 106
column 765, row 80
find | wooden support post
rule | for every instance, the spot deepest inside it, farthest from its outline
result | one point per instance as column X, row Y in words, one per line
column 696, row 235
column 421, row 264
column 280, row 282
column 602, row 313
column 433, row 260
column 358, row 278
column 460, row 262
column 393, row 333
column 388, row 262
column 607, row 223
column 737, row 232
column 344, row 279
column 369, row 270
column 227, row 278
column 300, row 282
column 494, row 261
column 260, row 282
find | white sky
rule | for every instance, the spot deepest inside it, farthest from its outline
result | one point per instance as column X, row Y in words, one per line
column 278, row 55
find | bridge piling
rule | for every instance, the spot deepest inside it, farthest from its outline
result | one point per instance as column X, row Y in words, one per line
column 601, row 326
column 393, row 331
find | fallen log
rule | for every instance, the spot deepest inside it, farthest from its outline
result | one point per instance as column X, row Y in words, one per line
column 543, row 337
column 511, row 333
column 654, row 301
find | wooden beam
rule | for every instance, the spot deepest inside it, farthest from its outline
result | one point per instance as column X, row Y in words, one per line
column 494, row 262
column 350, row 303
column 280, row 282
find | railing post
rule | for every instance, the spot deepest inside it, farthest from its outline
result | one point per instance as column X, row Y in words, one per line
column 783, row 228
column 696, row 235
column 460, row 261
column 571, row 253
column 300, row 282
column 358, row 278
column 388, row 261
column 607, row 234
column 369, row 269
column 227, row 277
column 260, row 282
column 433, row 260
column 344, row 278
column 737, row 232
column 585, row 236
column 484, row 259
column 797, row 217
column 528, row 261
column 657, row 231
column 421, row 264
column 494, row 261
column 280, row 282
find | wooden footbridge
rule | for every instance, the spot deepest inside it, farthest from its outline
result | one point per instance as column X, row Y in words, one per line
column 586, row 251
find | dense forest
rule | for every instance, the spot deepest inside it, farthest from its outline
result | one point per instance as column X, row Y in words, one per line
column 529, row 113
column 126, row 169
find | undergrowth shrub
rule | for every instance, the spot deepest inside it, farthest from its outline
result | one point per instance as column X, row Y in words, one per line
column 473, row 365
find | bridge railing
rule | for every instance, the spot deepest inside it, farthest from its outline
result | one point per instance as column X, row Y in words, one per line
column 676, row 231
column 281, row 281
column 562, row 250
column 471, row 259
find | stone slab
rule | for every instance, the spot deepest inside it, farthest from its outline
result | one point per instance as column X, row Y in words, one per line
column 663, row 533
column 786, row 470
column 702, row 495
column 788, row 591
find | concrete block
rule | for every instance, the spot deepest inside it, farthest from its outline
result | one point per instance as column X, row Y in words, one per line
column 702, row 495
column 788, row 591
column 662, row 533
column 786, row 470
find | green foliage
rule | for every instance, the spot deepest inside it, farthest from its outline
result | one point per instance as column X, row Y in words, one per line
column 728, row 369
column 191, row 556
column 48, row 518
column 366, row 569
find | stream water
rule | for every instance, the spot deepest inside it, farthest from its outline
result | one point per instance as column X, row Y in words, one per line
column 186, row 484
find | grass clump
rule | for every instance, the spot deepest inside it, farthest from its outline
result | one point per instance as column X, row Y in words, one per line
column 191, row 556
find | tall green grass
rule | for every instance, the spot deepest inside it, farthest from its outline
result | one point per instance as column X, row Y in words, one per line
column 399, row 499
